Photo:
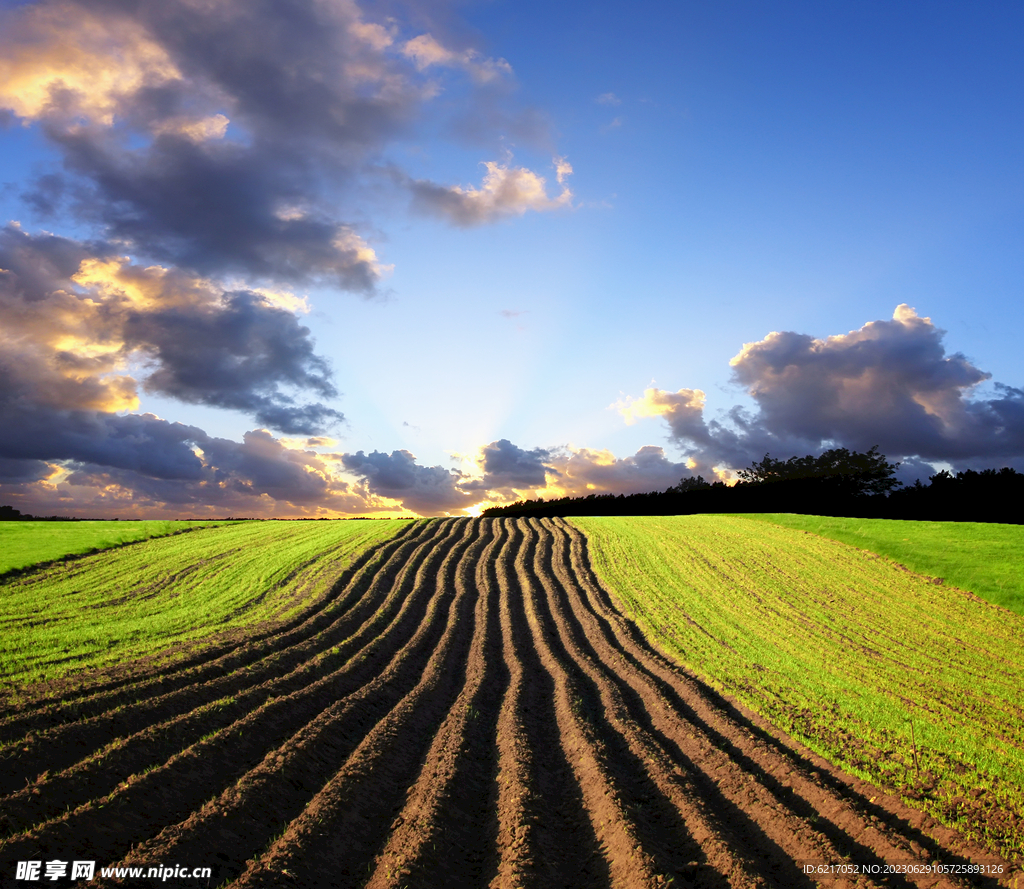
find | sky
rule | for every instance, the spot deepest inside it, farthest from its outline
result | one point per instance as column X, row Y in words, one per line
column 291, row 258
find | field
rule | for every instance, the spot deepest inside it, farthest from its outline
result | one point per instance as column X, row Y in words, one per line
column 984, row 558
column 906, row 682
column 169, row 592
column 29, row 543
column 462, row 704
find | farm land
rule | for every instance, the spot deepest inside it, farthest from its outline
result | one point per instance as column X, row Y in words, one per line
column 693, row 701
column 32, row 543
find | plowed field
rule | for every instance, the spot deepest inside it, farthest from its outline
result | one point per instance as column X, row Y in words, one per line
column 474, row 712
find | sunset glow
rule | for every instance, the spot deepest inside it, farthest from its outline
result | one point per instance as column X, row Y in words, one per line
column 244, row 254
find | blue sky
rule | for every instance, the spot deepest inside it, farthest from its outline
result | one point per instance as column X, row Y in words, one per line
column 737, row 169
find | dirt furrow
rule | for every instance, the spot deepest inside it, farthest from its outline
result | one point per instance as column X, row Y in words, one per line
column 168, row 794
column 606, row 799
column 334, row 841
column 80, row 697
column 446, row 832
column 546, row 838
column 262, row 803
column 809, row 808
column 100, row 774
column 516, row 844
column 672, row 818
column 756, row 821
column 247, row 667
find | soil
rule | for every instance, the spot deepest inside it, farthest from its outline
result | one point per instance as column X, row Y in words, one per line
column 467, row 707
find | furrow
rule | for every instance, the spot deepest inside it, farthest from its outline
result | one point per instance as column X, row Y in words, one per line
column 335, row 839
column 155, row 675
column 265, row 800
column 170, row 792
column 807, row 806
column 289, row 667
column 516, row 843
column 605, row 798
column 445, row 833
column 545, row 836
column 733, row 843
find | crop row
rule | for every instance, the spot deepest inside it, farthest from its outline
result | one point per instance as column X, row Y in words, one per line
column 905, row 681
column 464, row 707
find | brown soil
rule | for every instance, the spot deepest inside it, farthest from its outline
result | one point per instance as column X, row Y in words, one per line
column 467, row 707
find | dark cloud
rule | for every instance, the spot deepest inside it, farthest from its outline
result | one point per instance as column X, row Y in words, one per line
column 428, row 490
column 141, row 443
column 142, row 465
column 583, row 471
column 219, row 209
column 217, row 137
column 23, row 470
column 890, row 383
column 223, row 138
column 236, row 353
column 72, row 321
column 507, row 465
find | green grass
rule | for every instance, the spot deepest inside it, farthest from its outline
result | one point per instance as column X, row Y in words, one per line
column 985, row 558
column 28, row 543
column 125, row 603
column 842, row 649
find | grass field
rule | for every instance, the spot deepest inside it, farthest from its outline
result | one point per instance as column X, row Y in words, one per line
column 132, row 601
column 906, row 682
column 29, row 543
column 467, row 707
column 985, row 558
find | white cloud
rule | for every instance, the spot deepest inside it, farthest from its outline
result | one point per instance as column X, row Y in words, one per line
column 426, row 52
column 890, row 383
column 505, row 191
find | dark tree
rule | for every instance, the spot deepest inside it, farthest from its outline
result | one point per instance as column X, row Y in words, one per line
column 852, row 472
column 690, row 484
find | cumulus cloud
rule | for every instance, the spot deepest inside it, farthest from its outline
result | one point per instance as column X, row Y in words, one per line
column 426, row 52
column 509, row 472
column 222, row 138
column 216, row 152
column 506, row 465
column 183, row 137
column 583, row 471
column 502, row 471
column 890, row 383
column 128, row 472
column 506, row 191
column 428, row 490
column 81, row 327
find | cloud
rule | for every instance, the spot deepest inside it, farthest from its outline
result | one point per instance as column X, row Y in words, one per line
column 82, row 327
column 890, row 383
column 427, row 52
column 223, row 138
column 427, row 490
column 141, row 465
column 507, row 466
column 505, row 191
column 190, row 142
column 508, row 472
column 563, row 169
column 583, row 471
column 608, row 99
column 216, row 154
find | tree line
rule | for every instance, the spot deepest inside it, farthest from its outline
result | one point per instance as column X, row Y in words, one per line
column 10, row 514
column 839, row 482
